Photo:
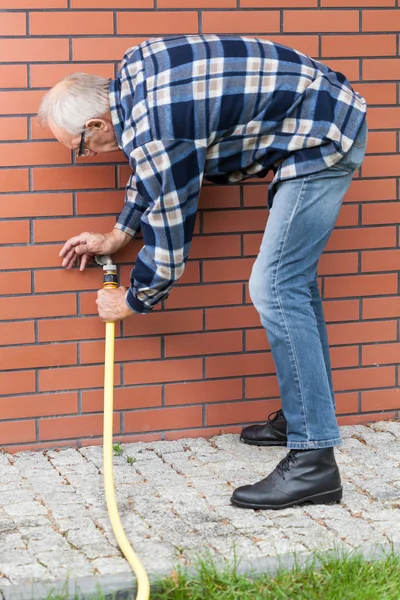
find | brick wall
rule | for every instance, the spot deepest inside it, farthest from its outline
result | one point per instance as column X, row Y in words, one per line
column 201, row 363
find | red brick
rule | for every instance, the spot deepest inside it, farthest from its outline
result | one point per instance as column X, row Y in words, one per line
column 362, row 419
column 164, row 418
column 351, row 67
column 163, row 371
column 21, row 102
column 381, row 69
column 39, row 406
column 256, row 339
column 203, row 343
column 71, row 23
column 70, row 178
column 239, row 412
column 203, row 432
column 360, row 285
column 34, row 4
column 383, row 166
column 237, row 269
column 380, row 142
column 124, row 398
column 318, row 21
column 341, row 310
column 381, row 308
column 144, row 23
column 380, row 400
column 59, row 230
column 18, row 357
column 59, row 330
column 380, row 260
column 377, row 93
column 44, row 76
column 262, row 387
column 278, row 3
column 361, row 379
column 344, row 356
column 252, row 243
column 232, row 318
column 27, row 257
column 235, row 21
column 165, row 322
column 360, row 333
column 234, row 221
column 34, row 49
column 197, row 4
column 33, row 153
column 338, row 264
column 35, row 205
column 15, row 283
column 361, row 3
column 380, row 214
column 65, row 281
column 381, row 20
column 125, row 350
column 19, row 382
column 348, row 215
column 255, row 195
column 13, row 128
column 17, row 431
column 358, row 45
column 346, row 403
column 308, row 44
column 372, row 190
column 359, row 239
column 13, row 24
column 95, row 203
column 105, row 48
column 73, row 427
column 13, row 76
column 14, row 232
column 378, row 354
column 383, row 118
column 112, row 4
column 239, row 364
column 74, row 378
column 202, row 392
column 205, row 295
column 17, row 333
column 215, row 246
column 28, row 307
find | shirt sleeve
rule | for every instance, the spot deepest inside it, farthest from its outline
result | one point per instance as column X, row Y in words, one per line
column 129, row 219
column 169, row 175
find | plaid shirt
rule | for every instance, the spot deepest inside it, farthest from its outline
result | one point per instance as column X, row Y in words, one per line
column 222, row 107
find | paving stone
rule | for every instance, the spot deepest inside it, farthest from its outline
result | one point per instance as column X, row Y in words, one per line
column 174, row 503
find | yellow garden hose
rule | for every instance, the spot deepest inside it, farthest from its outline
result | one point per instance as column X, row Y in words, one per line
column 143, row 593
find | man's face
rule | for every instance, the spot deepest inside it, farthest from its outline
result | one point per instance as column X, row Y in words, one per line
column 99, row 137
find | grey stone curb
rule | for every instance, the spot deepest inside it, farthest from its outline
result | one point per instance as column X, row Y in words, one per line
column 123, row 587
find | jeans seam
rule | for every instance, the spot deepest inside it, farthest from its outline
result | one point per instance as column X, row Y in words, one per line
column 296, row 367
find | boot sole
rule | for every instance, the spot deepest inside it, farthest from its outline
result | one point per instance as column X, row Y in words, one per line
column 333, row 496
column 251, row 443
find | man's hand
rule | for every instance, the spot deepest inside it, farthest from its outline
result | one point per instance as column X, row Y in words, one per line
column 89, row 244
column 112, row 306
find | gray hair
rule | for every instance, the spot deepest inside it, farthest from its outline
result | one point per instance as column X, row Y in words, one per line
column 74, row 100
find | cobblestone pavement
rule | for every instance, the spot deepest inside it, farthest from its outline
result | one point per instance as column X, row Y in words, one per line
column 174, row 502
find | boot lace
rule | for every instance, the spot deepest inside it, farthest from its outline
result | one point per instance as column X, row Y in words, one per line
column 285, row 464
column 274, row 416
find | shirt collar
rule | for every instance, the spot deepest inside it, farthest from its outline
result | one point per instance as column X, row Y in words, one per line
column 117, row 113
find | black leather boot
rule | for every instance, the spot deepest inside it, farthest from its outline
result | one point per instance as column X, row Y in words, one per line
column 273, row 433
column 302, row 476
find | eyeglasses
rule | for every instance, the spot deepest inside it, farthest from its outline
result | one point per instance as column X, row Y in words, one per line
column 81, row 149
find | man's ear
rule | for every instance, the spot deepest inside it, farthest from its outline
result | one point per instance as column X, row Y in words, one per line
column 97, row 124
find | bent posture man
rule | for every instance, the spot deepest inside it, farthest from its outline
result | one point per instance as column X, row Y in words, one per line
column 229, row 108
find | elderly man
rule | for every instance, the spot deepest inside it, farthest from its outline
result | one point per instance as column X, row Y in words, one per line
column 228, row 108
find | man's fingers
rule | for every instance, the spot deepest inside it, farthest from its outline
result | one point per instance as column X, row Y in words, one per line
column 84, row 262
column 73, row 242
column 70, row 256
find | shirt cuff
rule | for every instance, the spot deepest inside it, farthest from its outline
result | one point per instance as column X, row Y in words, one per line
column 135, row 304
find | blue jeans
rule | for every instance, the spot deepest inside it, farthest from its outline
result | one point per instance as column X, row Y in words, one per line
column 284, row 290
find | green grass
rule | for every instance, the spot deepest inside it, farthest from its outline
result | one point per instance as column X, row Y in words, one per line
column 341, row 578
column 337, row 578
